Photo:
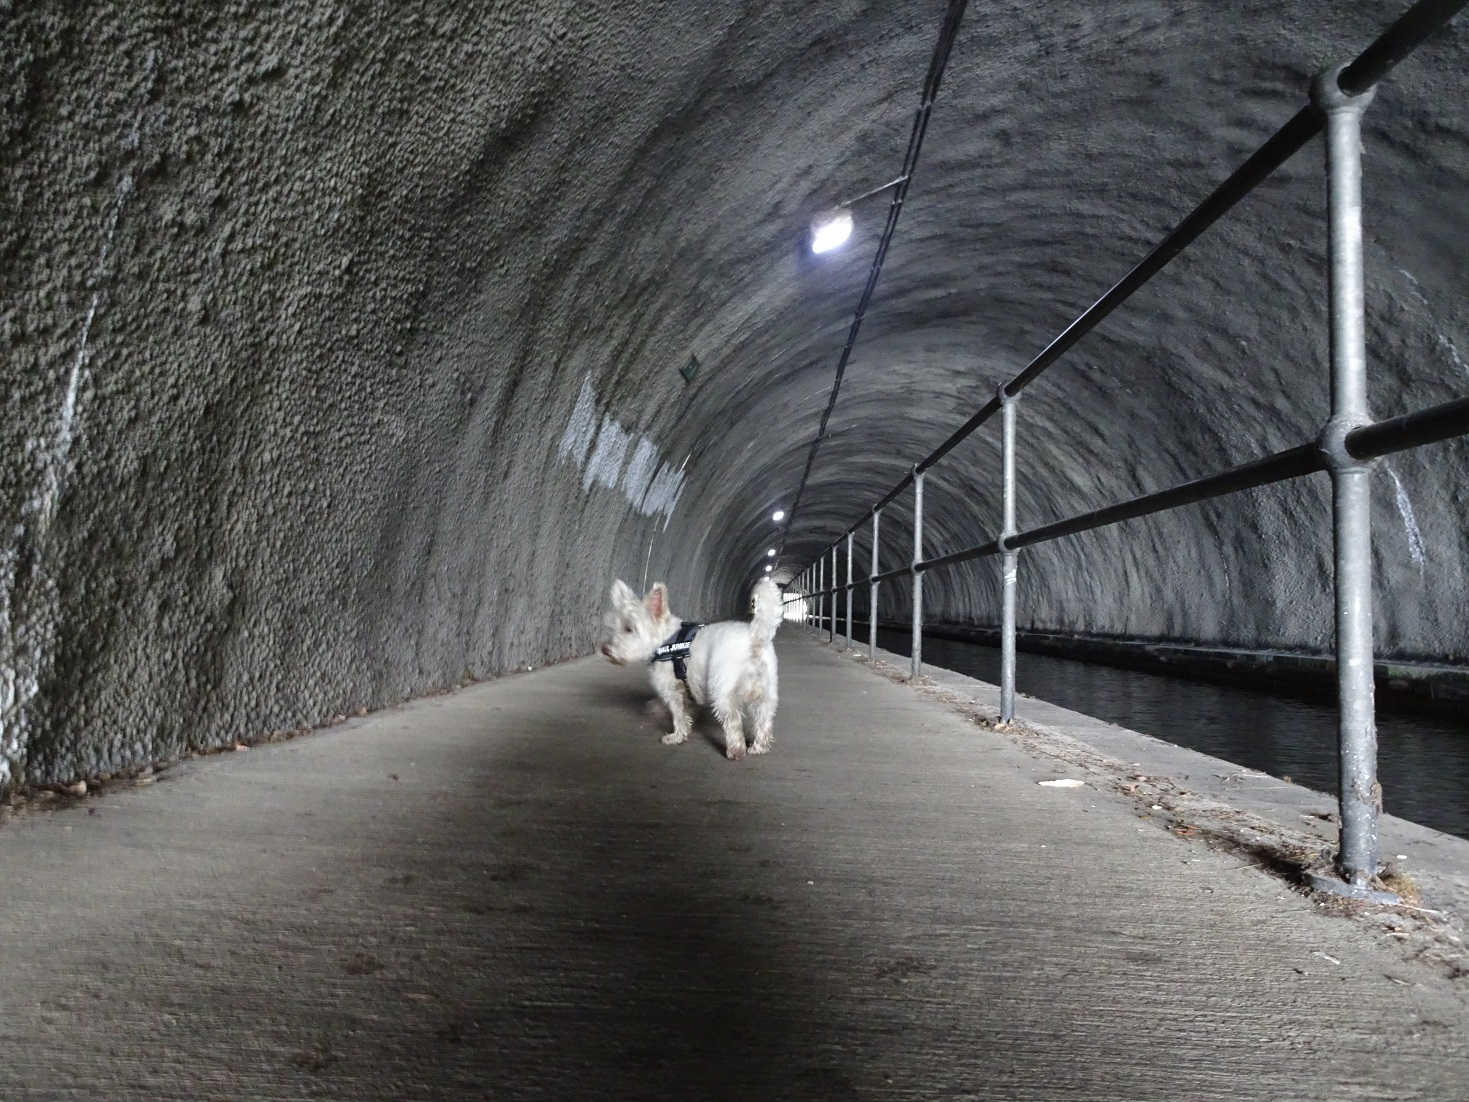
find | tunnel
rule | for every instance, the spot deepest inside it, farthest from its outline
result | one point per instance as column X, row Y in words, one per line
column 352, row 350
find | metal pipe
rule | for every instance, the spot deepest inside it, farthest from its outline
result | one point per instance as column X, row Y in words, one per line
column 917, row 645
column 872, row 595
column 820, row 581
column 872, row 192
column 1008, row 566
column 1273, row 468
column 892, row 494
column 896, row 572
column 1351, row 482
column 1426, row 426
column 832, row 627
column 1397, row 42
column 849, row 590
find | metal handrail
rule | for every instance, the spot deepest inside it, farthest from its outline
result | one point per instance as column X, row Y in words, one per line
column 1348, row 441
column 1370, row 66
column 1411, row 430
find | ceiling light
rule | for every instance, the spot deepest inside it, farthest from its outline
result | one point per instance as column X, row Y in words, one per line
column 778, row 516
column 768, row 568
column 770, row 552
column 830, row 230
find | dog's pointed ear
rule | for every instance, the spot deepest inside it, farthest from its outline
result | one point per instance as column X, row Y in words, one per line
column 656, row 602
column 622, row 595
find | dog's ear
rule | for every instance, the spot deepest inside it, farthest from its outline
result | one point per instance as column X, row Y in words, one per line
column 622, row 595
column 656, row 602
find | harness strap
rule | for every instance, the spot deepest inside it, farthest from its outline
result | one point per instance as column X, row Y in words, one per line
column 676, row 649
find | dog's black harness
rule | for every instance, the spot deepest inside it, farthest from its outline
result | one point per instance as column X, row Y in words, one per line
column 676, row 649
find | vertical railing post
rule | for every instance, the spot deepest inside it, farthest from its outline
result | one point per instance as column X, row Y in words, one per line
column 1360, row 794
column 917, row 644
column 820, row 585
column 831, row 636
column 872, row 595
column 1007, row 557
column 849, row 589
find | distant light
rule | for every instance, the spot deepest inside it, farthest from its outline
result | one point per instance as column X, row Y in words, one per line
column 770, row 552
column 830, row 231
column 768, row 568
column 778, row 516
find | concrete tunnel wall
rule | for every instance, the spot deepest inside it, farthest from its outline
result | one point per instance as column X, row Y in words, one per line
column 342, row 340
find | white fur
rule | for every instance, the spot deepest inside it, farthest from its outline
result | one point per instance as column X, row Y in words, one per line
column 731, row 666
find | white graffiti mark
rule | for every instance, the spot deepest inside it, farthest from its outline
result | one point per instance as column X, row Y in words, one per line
column 30, row 606
column 608, row 453
column 1417, row 288
column 640, row 470
column 581, row 428
column 1443, row 342
column 17, row 682
column 599, row 445
column 1448, row 346
column 1410, row 524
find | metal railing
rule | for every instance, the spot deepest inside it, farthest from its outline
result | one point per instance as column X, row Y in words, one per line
column 1347, row 444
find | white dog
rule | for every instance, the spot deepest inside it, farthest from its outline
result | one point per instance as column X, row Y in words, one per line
column 730, row 666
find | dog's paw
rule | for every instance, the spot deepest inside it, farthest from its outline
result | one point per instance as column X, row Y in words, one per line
column 760, row 748
column 674, row 738
column 736, row 752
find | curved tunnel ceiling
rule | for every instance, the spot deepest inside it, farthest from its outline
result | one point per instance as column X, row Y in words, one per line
column 343, row 345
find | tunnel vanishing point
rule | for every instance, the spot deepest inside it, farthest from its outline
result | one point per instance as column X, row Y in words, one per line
column 351, row 350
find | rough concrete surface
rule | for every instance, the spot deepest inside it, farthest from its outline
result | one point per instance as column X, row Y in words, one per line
column 1275, row 824
column 517, row 892
column 341, row 341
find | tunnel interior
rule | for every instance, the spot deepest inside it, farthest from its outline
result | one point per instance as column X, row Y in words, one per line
column 351, row 351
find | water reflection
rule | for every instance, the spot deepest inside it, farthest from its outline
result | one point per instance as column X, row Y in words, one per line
column 1423, row 761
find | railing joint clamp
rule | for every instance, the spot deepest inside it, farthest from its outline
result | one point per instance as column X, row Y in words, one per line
column 1332, row 443
column 1328, row 97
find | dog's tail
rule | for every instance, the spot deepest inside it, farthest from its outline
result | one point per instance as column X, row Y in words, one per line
column 768, row 613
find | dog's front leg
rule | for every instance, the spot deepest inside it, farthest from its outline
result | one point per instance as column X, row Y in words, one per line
column 683, row 721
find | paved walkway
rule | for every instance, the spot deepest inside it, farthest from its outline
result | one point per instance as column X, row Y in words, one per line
column 516, row 892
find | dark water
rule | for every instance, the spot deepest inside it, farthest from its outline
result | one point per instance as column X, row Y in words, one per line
column 1423, row 761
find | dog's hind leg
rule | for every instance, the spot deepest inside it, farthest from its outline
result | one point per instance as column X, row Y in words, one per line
column 762, row 717
column 683, row 721
column 728, row 714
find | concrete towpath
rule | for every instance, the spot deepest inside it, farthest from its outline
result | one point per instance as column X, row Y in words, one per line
column 515, row 892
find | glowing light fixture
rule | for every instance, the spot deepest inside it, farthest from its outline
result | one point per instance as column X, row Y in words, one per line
column 778, row 516
column 770, row 552
column 830, row 230
column 768, row 568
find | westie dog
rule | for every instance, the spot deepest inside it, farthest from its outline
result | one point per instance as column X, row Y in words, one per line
column 729, row 666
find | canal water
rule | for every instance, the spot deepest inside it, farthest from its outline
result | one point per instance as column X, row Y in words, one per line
column 1423, row 760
